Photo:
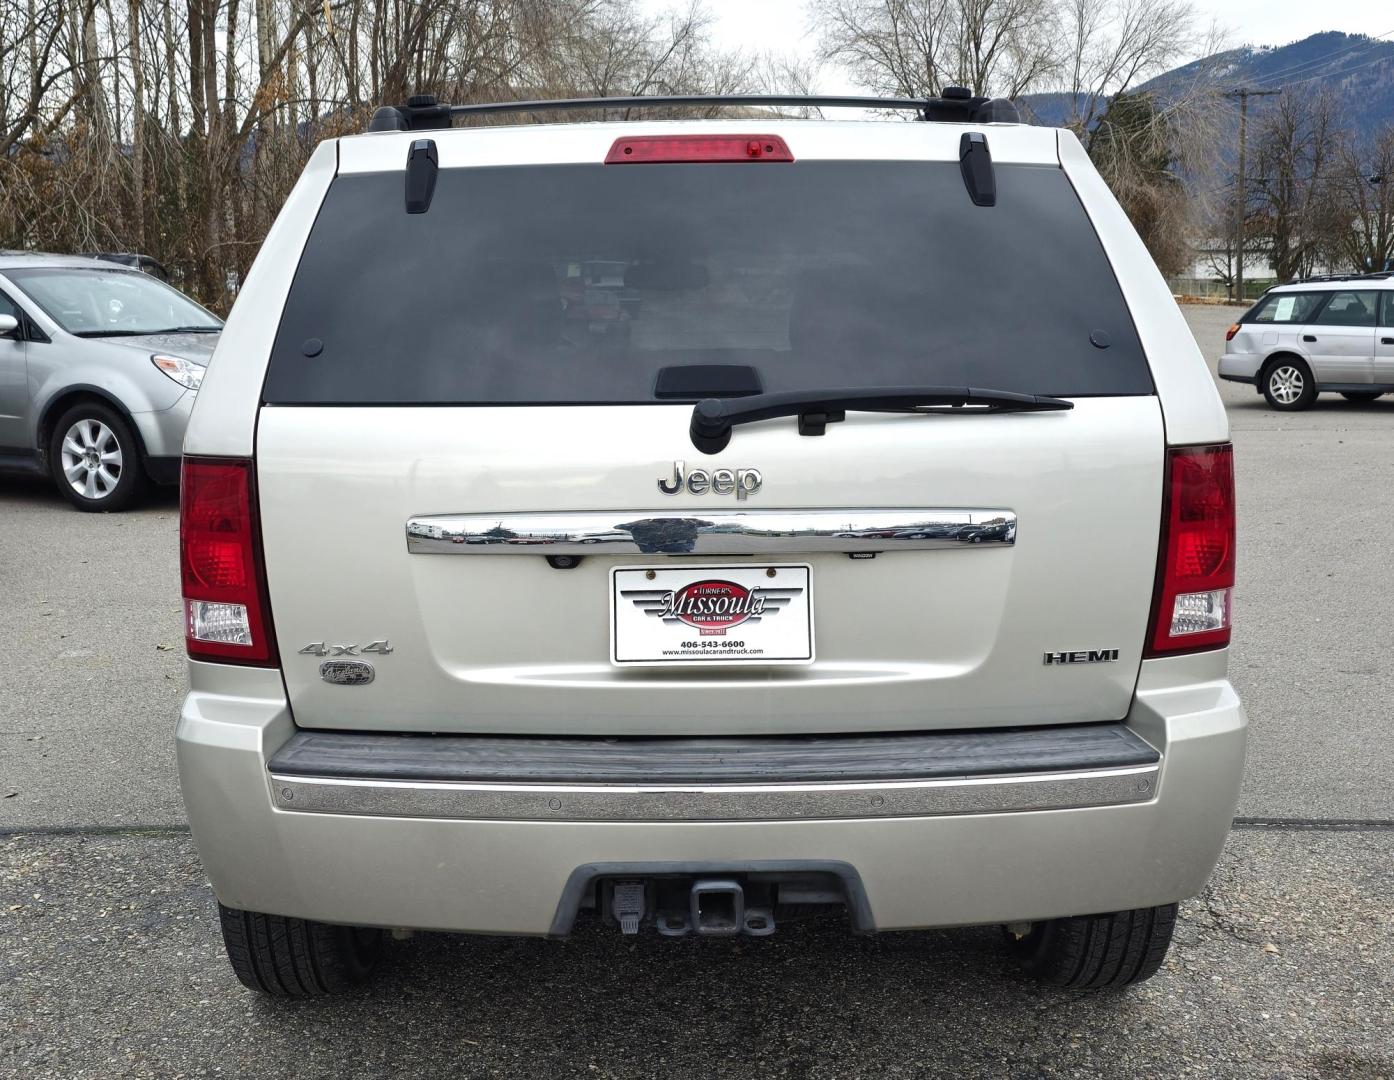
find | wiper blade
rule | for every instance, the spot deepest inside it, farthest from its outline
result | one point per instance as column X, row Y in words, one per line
column 149, row 333
column 713, row 418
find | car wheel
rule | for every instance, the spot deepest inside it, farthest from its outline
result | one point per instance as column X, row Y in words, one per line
column 1288, row 384
column 95, row 459
column 285, row 957
column 1360, row 395
column 1098, row 952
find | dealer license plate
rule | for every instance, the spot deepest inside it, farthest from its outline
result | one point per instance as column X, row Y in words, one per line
column 711, row 615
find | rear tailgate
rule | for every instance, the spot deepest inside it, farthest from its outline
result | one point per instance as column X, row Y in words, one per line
column 914, row 640
column 460, row 365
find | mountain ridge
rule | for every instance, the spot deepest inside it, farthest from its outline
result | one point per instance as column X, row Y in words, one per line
column 1357, row 68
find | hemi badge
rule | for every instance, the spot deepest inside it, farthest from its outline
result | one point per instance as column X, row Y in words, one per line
column 1090, row 656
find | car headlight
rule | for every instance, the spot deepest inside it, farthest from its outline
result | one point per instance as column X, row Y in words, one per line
column 185, row 372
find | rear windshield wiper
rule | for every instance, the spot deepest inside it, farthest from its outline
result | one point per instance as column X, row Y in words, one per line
column 713, row 418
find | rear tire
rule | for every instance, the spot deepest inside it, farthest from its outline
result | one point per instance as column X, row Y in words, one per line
column 285, row 957
column 1360, row 395
column 1098, row 952
column 1288, row 384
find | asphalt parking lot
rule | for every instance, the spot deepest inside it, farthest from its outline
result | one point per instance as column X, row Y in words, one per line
column 110, row 964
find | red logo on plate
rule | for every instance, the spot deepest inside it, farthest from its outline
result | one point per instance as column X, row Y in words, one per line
column 713, row 605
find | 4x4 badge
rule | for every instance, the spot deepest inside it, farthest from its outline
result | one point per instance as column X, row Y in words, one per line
column 321, row 648
column 742, row 483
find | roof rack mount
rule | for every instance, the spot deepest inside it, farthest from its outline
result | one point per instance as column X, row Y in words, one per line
column 423, row 112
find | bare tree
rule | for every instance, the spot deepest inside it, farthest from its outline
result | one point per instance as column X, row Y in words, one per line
column 1110, row 46
column 138, row 171
column 1364, row 186
column 914, row 48
column 1137, row 146
column 1092, row 49
column 52, row 86
column 1292, row 215
column 97, row 108
column 1220, row 262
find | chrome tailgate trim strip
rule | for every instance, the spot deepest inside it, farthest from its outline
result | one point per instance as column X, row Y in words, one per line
column 715, row 532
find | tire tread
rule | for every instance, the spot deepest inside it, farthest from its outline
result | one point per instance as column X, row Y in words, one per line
column 1098, row 952
column 286, row 957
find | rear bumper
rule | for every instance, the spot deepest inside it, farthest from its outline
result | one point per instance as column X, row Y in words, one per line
column 1240, row 368
column 1101, row 843
column 712, row 779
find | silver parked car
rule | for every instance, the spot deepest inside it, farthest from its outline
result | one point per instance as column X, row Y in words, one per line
column 99, row 368
column 1316, row 336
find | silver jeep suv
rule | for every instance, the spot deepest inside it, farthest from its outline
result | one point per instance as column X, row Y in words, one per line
column 870, row 543
column 99, row 369
column 1322, row 335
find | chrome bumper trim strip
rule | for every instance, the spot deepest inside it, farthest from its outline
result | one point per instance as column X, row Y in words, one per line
column 734, row 802
column 715, row 532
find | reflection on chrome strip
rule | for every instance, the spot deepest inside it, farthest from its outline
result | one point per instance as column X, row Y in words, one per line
column 721, row 532
column 733, row 802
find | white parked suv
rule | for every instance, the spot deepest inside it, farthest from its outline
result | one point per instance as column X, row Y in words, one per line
column 1333, row 334
column 883, row 561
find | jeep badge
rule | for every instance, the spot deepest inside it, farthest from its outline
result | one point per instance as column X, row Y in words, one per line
column 743, row 483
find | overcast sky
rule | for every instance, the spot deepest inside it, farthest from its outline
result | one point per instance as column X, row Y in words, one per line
column 781, row 26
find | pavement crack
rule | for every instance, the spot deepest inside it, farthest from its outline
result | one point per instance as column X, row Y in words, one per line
column 1316, row 824
column 1220, row 922
column 95, row 830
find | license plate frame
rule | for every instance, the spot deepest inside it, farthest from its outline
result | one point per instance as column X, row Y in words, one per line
column 664, row 616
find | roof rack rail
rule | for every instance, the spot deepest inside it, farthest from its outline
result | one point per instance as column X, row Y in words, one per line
column 1373, row 274
column 423, row 112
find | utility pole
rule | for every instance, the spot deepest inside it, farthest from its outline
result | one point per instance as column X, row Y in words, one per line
column 1243, row 94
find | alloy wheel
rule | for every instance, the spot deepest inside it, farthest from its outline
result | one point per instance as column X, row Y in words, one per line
column 1286, row 384
column 92, row 458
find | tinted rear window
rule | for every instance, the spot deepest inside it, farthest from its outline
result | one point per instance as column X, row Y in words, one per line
column 1355, row 308
column 582, row 283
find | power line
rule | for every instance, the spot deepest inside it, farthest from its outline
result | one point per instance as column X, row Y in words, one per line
column 1340, row 74
column 1264, row 79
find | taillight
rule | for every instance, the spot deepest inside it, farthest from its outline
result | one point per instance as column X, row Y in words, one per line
column 1229, row 334
column 226, row 615
column 1195, row 572
column 645, row 149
